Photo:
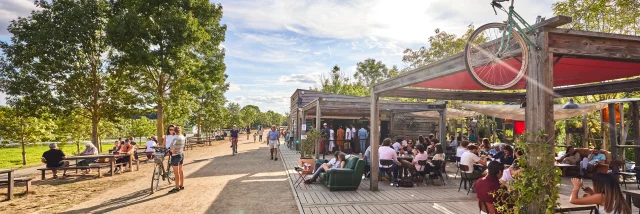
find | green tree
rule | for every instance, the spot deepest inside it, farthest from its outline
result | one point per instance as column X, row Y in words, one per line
column 73, row 128
column 249, row 114
column 370, row 71
column 142, row 127
column 166, row 43
column 24, row 129
column 608, row 16
column 440, row 46
column 58, row 59
column 339, row 83
column 234, row 114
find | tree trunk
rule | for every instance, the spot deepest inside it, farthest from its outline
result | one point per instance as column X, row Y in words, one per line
column 95, row 122
column 78, row 147
column 159, row 121
column 24, row 153
column 199, row 126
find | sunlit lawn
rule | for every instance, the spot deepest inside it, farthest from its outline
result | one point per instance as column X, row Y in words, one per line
column 12, row 157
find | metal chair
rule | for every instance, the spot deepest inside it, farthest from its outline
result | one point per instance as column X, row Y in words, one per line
column 457, row 166
column 420, row 171
column 438, row 169
column 463, row 177
column 386, row 166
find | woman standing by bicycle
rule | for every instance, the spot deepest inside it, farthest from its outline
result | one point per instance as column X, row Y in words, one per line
column 177, row 159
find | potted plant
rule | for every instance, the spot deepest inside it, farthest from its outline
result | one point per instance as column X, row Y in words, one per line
column 306, row 148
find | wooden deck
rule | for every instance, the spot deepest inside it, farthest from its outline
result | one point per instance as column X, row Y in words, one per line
column 316, row 198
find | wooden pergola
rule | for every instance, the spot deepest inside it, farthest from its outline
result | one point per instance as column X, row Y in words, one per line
column 356, row 107
column 566, row 63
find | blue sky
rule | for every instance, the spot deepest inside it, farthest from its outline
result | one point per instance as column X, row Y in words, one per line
column 276, row 46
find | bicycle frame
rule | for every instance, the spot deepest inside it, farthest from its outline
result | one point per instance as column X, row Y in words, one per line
column 511, row 23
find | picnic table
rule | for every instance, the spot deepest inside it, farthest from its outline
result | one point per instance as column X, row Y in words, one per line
column 9, row 173
column 630, row 194
column 564, row 206
column 112, row 159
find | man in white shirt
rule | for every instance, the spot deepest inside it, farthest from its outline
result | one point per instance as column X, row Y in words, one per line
column 404, row 141
column 469, row 158
column 462, row 149
column 387, row 153
column 150, row 150
column 332, row 142
column 396, row 146
column 353, row 137
column 331, row 162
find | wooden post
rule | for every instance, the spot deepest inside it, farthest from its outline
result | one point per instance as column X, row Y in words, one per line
column 318, row 127
column 10, row 179
column 623, row 134
column 392, row 125
column 373, row 141
column 612, row 131
column 539, row 109
column 602, row 132
column 443, row 128
column 636, row 129
column 585, row 130
column 299, row 121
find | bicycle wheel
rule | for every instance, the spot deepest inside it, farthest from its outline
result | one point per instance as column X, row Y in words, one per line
column 495, row 62
column 170, row 175
column 155, row 178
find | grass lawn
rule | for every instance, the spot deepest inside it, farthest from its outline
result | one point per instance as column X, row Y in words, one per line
column 12, row 157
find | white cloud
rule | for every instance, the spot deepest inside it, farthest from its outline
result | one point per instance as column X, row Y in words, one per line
column 408, row 21
column 299, row 78
column 12, row 9
column 234, row 87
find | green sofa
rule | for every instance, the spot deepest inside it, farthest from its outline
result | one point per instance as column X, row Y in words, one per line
column 347, row 178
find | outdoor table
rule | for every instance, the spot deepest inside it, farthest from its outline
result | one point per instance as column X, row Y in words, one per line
column 10, row 177
column 112, row 159
column 630, row 194
column 563, row 167
column 564, row 206
column 302, row 173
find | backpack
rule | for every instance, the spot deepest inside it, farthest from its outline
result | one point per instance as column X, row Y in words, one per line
column 405, row 182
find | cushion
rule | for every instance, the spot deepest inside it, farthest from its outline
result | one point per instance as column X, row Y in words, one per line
column 351, row 163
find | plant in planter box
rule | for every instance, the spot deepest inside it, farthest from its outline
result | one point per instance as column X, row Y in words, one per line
column 306, row 147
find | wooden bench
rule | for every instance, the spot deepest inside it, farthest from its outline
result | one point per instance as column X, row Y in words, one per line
column 25, row 180
column 98, row 166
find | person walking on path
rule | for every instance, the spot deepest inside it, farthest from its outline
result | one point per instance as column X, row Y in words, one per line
column 274, row 141
column 260, row 131
column 177, row 159
column 248, row 132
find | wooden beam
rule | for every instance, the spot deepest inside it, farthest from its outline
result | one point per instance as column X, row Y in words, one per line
column 443, row 129
column 603, row 46
column 318, row 127
column 453, row 95
column 599, row 88
column 553, row 22
column 539, row 109
column 585, row 129
column 636, row 128
column 613, row 142
column 373, row 141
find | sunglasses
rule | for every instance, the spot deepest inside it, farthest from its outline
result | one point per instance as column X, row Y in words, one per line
column 171, row 129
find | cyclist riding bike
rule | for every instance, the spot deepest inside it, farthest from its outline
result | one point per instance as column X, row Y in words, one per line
column 234, row 136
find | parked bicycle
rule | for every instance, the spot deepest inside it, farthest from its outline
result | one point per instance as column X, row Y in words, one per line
column 159, row 171
column 497, row 54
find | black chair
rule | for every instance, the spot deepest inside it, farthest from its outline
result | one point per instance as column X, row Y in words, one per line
column 421, row 170
column 386, row 167
column 463, row 177
column 438, row 168
column 457, row 166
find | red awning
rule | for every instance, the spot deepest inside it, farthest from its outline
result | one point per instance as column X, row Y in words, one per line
column 568, row 71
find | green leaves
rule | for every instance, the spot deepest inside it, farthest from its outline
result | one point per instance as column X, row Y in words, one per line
column 371, row 71
column 441, row 45
column 609, row 16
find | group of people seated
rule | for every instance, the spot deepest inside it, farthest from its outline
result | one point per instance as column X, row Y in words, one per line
column 424, row 149
column 572, row 157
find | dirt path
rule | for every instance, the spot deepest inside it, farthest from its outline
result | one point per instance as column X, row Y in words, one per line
column 215, row 182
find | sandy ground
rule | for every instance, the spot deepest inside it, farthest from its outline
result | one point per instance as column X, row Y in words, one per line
column 215, row 182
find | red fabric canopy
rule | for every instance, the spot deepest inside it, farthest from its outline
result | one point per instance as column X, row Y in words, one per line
column 568, row 71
